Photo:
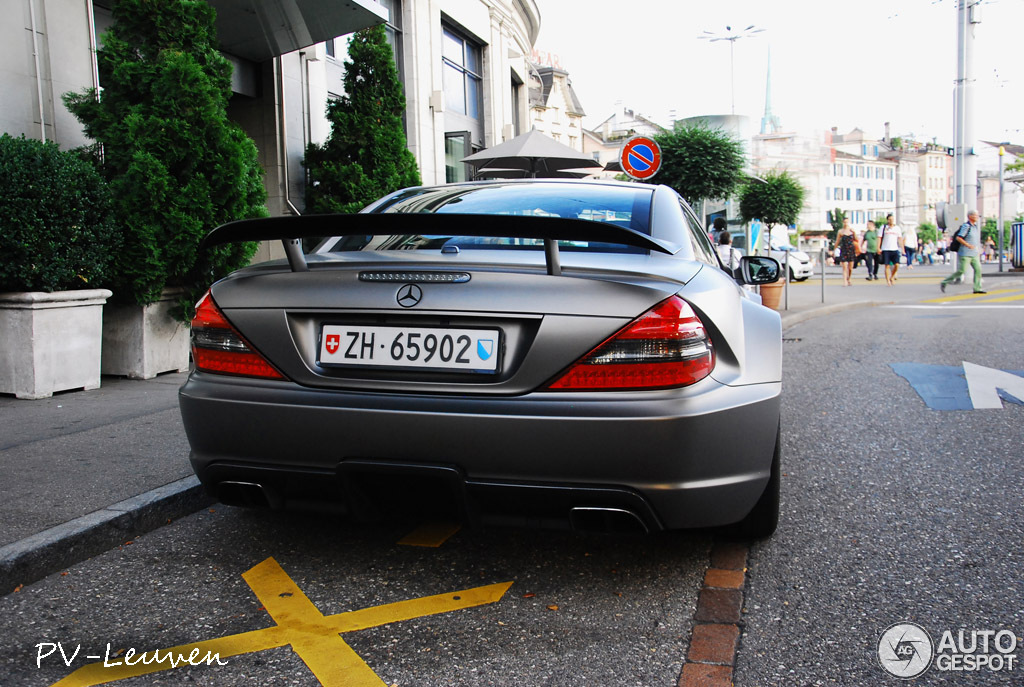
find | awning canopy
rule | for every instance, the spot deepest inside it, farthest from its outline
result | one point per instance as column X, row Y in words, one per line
column 258, row 30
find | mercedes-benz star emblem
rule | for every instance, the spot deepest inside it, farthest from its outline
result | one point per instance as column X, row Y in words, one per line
column 409, row 295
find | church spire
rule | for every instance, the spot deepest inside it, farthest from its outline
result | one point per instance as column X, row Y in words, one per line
column 769, row 122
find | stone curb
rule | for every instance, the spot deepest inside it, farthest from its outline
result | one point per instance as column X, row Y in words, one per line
column 41, row 554
column 711, row 655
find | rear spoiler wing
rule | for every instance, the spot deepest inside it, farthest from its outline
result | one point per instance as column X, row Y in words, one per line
column 291, row 229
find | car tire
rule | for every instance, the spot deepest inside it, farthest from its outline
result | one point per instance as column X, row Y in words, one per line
column 763, row 518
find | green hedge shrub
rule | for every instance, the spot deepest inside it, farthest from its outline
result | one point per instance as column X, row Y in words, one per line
column 57, row 231
column 366, row 155
column 176, row 164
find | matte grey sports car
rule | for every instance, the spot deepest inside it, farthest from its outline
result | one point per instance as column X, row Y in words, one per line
column 537, row 351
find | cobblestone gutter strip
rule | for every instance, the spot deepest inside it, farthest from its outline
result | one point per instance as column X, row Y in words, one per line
column 716, row 629
column 46, row 552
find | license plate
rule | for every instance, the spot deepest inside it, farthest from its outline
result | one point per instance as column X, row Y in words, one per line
column 431, row 348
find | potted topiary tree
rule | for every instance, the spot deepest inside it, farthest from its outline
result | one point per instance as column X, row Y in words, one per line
column 700, row 162
column 57, row 238
column 777, row 198
column 177, row 168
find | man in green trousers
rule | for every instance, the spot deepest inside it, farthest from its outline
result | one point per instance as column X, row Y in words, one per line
column 969, row 238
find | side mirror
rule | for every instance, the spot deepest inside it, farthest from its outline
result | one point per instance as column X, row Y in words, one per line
column 759, row 269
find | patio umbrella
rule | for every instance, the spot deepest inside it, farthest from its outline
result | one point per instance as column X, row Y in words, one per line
column 506, row 173
column 534, row 153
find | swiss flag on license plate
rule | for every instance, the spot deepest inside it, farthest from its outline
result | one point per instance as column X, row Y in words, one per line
column 333, row 342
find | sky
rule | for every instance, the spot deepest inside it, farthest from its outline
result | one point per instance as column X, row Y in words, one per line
column 858, row 63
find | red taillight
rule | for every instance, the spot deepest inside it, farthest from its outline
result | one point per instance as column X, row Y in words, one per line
column 666, row 347
column 217, row 347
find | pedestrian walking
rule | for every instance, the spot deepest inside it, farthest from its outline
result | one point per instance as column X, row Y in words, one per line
column 846, row 240
column 990, row 249
column 910, row 247
column 717, row 227
column 892, row 246
column 870, row 242
column 730, row 256
column 969, row 238
column 929, row 252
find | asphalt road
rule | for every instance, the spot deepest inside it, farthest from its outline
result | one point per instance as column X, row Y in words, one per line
column 892, row 512
column 581, row 610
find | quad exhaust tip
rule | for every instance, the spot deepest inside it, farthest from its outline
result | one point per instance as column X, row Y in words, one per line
column 581, row 518
column 246, row 494
column 606, row 520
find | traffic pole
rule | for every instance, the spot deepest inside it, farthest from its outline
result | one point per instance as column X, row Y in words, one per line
column 785, row 291
column 822, row 263
column 999, row 223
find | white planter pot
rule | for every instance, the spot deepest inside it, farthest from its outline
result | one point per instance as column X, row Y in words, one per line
column 50, row 341
column 143, row 341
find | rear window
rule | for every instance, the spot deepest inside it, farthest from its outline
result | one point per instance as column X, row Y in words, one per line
column 624, row 206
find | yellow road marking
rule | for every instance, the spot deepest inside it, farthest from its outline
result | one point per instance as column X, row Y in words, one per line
column 967, row 296
column 430, row 534
column 1005, row 299
column 312, row 635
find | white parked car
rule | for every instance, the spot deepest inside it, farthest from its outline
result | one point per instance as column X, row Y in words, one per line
column 800, row 265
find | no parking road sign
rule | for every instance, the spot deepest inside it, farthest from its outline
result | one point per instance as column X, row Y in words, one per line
column 640, row 157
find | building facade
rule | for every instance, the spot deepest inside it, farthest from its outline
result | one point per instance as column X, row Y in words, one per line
column 861, row 181
column 605, row 141
column 988, row 181
column 807, row 158
column 935, row 168
column 464, row 63
column 555, row 109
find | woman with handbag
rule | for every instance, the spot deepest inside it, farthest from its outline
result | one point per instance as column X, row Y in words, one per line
column 846, row 239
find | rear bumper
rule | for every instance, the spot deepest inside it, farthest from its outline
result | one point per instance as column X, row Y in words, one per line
column 681, row 458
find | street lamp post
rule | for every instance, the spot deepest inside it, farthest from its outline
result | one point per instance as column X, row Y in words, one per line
column 732, row 37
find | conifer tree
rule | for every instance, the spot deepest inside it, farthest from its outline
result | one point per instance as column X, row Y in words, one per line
column 176, row 164
column 366, row 155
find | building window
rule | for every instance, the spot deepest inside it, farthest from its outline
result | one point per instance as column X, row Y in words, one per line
column 517, row 123
column 890, row 196
column 463, row 92
column 456, row 147
column 393, row 29
column 871, row 194
column 860, row 194
column 828, row 193
column 331, row 50
column 847, row 194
